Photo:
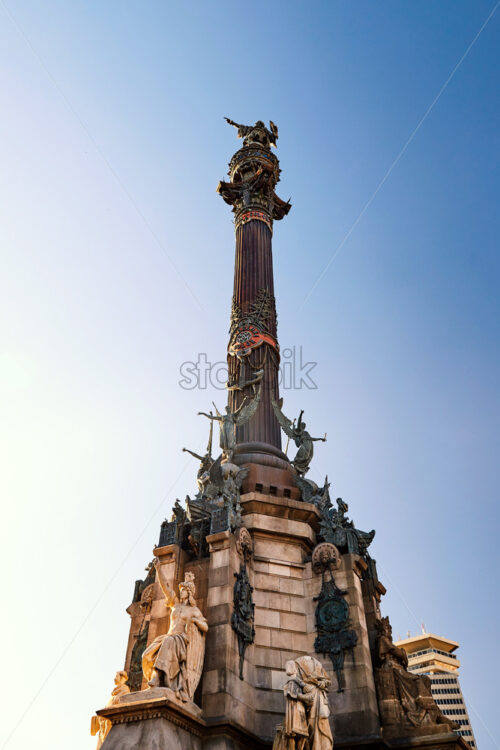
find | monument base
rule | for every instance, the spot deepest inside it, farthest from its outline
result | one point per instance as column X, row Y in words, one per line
column 152, row 725
column 446, row 741
column 150, row 734
column 165, row 724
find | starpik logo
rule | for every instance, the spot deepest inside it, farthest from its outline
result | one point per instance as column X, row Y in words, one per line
column 202, row 373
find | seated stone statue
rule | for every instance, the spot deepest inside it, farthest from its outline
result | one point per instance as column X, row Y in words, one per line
column 101, row 726
column 404, row 697
column 175, row 660
column 307, row 725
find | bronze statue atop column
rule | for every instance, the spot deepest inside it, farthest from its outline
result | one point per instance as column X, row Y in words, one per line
column 256, row 134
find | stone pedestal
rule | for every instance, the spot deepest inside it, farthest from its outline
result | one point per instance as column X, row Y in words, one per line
column 152, row 725
column 162, row 724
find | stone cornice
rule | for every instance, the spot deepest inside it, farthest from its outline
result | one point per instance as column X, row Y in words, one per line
column 160, row 708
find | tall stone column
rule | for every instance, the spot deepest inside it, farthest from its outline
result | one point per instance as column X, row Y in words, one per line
column 253, row 350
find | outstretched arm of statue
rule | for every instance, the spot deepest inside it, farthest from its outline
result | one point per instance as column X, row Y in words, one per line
column 209, row 416
column 170, row 595
column 242, row 129
column 323, row 439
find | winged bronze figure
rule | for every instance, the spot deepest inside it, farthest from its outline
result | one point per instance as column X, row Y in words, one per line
column 232, row 419
column 299, row 435
column 311, row 493
column 206, row 462
column 336, row 528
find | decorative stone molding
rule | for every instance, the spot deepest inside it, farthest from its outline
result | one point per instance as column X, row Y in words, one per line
column 332, row 622
column 326, row 555
column 244, row 543
column 242, row 619
column 154, row 709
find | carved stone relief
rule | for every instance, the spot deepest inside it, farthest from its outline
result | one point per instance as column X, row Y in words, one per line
column 334, row 637
column 242, row 619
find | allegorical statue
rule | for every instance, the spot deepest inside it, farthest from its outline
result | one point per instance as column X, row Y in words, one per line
column 232, row 419
column 311, row 493
column 225, row 481
column 175, row 660
column 206, row 461
column 411, row 691
column 307, row 725
column 256, row 134
column 338, row 529
column 101, row 726
column 299, row 435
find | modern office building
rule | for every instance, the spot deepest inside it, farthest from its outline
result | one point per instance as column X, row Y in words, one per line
column 433, row 655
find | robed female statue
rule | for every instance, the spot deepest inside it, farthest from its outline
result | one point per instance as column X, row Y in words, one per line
column 175, row 660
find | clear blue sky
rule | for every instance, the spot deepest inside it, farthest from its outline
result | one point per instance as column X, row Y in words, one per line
column 112, row 143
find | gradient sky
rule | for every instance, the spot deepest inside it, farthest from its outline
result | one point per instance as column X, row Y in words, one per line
column 116, row 267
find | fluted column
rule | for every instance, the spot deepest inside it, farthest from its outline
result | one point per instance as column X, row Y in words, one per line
column 253, row 273
column 253, row 351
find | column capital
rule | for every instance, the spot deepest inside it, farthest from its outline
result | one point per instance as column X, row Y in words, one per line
column 254, row 171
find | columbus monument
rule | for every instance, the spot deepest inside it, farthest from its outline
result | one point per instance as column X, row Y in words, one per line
column 258, row 624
